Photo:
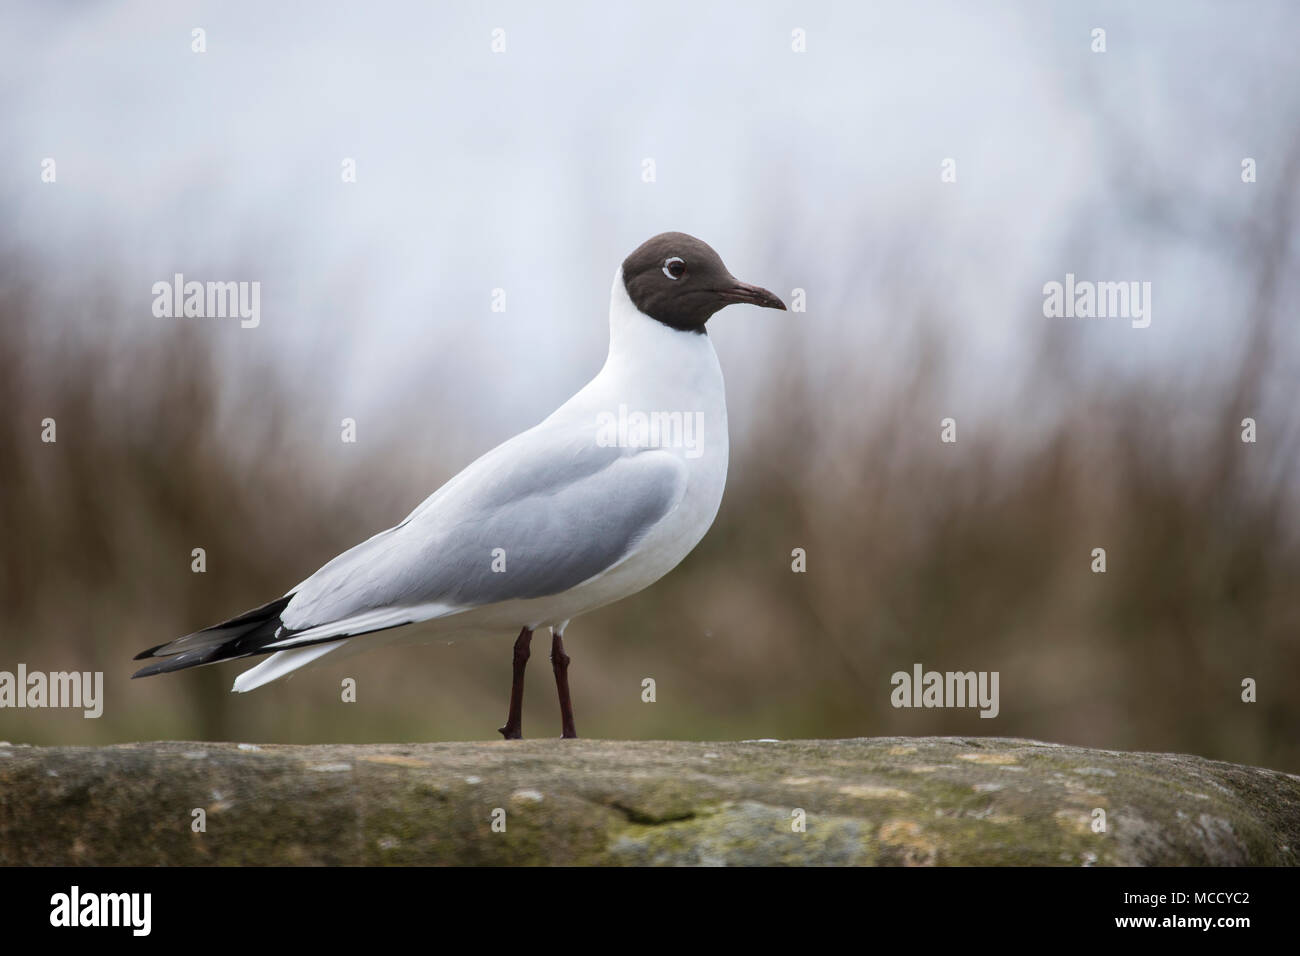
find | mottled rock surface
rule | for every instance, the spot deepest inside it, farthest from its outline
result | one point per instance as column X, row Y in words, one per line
column 893, row 800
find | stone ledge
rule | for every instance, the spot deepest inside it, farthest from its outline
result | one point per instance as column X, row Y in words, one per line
column 882, row 801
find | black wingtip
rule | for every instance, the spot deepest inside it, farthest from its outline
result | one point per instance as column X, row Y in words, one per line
column 241, row 636
column 176, row 663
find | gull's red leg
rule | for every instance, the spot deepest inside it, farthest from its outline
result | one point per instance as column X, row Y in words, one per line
column 560, row 664
column 513, row 730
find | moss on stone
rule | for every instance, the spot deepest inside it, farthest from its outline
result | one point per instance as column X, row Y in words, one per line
column 887, row 801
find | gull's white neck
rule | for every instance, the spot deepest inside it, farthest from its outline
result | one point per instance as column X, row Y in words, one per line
column 640, row 346
column 652, row 368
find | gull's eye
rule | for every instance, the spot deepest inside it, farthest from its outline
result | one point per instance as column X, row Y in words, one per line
column 674, row 267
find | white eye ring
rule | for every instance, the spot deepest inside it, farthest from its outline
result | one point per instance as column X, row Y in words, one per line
column 669, row 261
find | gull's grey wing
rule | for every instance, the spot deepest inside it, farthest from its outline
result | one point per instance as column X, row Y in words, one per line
column 549, row 506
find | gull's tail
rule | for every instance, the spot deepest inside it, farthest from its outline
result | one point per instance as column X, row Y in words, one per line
column 242, row 636
column 263, row 631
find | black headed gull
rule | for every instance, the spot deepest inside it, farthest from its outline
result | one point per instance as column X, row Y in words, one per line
column 600, row 500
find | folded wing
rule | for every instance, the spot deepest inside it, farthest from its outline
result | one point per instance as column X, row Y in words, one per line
column 537, row 516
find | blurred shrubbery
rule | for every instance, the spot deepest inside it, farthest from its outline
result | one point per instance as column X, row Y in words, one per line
column 966, row 556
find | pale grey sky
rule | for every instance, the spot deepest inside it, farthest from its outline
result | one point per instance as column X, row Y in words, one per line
column 522, row 170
